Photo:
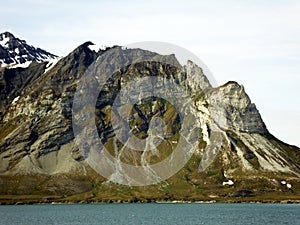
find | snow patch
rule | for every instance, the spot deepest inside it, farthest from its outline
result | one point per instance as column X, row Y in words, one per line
column 52, row 62
column 225, row 174
column 21, row 65
column 2, row 64
column 4, row 41
column 283, row 182
column 15, row 100
column 43, row 57
column 96, row 47
column 229, row 182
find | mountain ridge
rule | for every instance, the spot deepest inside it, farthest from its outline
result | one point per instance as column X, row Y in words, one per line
column 39, row 156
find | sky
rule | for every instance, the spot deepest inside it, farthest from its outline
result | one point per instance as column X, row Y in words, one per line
column 256, row 43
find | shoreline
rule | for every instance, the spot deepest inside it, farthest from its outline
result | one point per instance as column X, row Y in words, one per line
column 79, row 202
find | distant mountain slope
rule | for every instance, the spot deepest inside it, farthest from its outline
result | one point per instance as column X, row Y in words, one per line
column 17, row 53
column 39, row 156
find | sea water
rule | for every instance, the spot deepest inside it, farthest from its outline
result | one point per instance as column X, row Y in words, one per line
column 151, row 213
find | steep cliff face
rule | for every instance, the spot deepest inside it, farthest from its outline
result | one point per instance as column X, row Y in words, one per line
column 38, row 153
column 13, row 81
column 37, row 123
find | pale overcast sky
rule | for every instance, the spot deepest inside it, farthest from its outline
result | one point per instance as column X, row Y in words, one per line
column 256, row 43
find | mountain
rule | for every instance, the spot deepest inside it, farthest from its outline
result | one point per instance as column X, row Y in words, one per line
column 235, row 159
column 17, row 53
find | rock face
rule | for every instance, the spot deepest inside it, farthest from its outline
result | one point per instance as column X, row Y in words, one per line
column 38, row 153
column 231, row 102
column 14, row 80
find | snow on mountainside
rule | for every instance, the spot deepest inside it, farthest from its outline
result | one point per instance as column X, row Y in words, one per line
column 96, row 47
column 15, row 52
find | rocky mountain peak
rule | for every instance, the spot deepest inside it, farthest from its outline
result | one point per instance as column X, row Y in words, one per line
column 232, row 104
column 7, row 36
column 15, row 52
column 39, row 155
column 76, row 62
column 84, row 46
column 196, row 77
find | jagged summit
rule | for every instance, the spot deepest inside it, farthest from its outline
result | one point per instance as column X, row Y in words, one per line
column 15, row 52
column 9, row 35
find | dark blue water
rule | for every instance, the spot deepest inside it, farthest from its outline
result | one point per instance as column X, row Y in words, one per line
column 151, row 214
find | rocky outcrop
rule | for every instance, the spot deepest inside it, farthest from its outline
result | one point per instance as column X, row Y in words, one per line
column 195, row 77
column 233, row 110
column 13, row 81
